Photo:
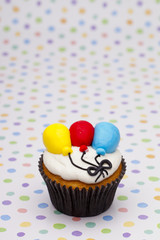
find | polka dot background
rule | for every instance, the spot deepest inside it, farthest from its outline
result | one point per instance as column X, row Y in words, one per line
column 61, row 61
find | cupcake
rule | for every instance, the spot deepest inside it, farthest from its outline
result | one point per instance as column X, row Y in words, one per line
column 82, row 167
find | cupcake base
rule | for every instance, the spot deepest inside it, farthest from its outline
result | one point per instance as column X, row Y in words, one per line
column 81, row 202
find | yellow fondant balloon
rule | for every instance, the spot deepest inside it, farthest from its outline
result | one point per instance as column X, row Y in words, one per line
column 56, row 139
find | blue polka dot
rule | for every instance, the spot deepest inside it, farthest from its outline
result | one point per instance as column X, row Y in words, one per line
column 81, row 22
column 49, row 94
column 43, row 115
column 148, row 24
column 129, row 150
column 15, row 21
column 51, row 29
column 43, row 205
column 118, row 29
column 142, row 205
column 16, row 133
column 114, row 13
column 107, row 218
column 38, row 191
column 41, row 150
column 93, row 42
column 26, row 41
column 5, row 217
column 135, row 161
column 20, row 102
column 11, row 170
column 48, row 11
column 135, row 191
column 3, row 121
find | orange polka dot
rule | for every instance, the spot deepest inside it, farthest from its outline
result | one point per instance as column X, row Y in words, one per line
column 137, row 91
column 84, row 115
column 13, row 58
column 83, row 86
column 15, row 9
column 4, row 115
column 143, row 121
column 148, row 12
column 157, row 198
column 62, row 121
column 17, row 34
column 82, row 10
column 32, row 138
column 82, row 59
column 63, row 20
column 129, row 22
column 150, row 156
column 1, row 149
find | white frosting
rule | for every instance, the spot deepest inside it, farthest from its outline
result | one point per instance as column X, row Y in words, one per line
column 61, row 165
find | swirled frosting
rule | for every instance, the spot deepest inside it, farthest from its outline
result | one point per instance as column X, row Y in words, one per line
column 62, row 166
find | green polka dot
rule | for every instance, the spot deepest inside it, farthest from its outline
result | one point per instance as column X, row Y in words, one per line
column 13, row 142
column 73, row 30
column 62, row 49
column 59, row 225
column 90, row 224
column 130, row 50
column 3, row 229
column 31, row 120
column 113, row 121
column 156, row 126
column 153, row 179
column 122, row 198
column 6, row 29
column 105, row 21
column 157, row 211
column 28, row 155
column 7, row 180
column 106, row 230
column 139, row 107
column 139, row 31
column 61, row 107
column 38, row 20
column 34, row 90
column 148, row 231
column 43, row 231
column 146, row 140
column 10, row 193
column 57, row 212
column 150, row 167
column 158, row 225
column 24, row 198
column 2, row 137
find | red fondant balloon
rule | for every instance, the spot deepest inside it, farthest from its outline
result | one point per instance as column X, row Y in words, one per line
column 81, row 133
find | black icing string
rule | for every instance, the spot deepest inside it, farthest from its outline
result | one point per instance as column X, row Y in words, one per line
column 93, row 170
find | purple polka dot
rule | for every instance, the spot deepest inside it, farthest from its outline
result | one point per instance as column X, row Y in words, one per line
column 139, row 3
column 12, row 159
column 77, row 233
column 6, row 202
column 129, row 134
column 20, row 234
column 17, row 123
column 25, row 185
column 40, row 217
column 126, row 235
column 135, row 171
column 142, row 217
column 121, row 185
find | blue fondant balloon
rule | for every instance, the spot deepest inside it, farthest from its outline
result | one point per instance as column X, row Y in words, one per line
column 106, row 138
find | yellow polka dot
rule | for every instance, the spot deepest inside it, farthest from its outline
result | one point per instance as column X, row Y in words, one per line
column 150, row 156
column 125, row 176
column 157, row 198
column 25, row 224
column 130, row 11
column 61, row 238
column 10, row 97
column 151, row 35
column 30, row 175
column 114, row 106
column 37, row 77
column 157, row 189
column 64, row 10
column 63, row 115
column 5, row 128
column 84, row 35
column 83, row 86
column 1, row 164
column 107, row 48
column 17, row 34
column 90, row 239
column 40, row 47
column 35, row 106
column 32, row 138
column 128, row 224
column 150, row 149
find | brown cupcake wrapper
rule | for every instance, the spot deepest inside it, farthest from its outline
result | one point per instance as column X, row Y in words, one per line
column 81, row 202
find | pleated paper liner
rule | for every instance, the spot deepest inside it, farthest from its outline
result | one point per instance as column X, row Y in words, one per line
column 81, row 202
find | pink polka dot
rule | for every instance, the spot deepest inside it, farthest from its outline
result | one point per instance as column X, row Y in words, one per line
column 26, row 164
column 22, row 210
column 123, row 210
